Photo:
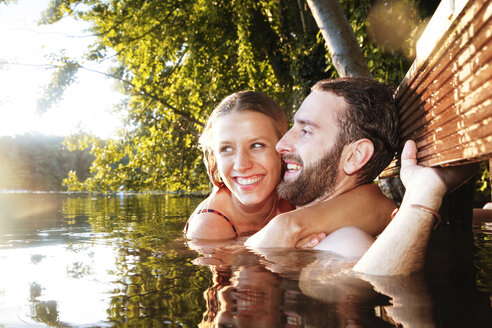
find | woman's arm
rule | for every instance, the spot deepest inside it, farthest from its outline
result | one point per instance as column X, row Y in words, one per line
column 364, row 207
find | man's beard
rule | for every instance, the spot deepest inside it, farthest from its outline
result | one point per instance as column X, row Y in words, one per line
column 314, row 181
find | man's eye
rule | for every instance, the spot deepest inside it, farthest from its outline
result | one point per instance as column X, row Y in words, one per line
column 305, row 132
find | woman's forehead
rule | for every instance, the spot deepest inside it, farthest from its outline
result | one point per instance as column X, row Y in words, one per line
column 244, row 124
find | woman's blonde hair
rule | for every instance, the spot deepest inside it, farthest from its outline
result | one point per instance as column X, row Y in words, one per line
column 237, row 102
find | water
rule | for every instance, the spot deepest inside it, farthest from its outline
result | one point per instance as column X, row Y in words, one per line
column 86, row 261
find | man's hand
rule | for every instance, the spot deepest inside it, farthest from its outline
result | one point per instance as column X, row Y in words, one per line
column 425, row 185
column 400, row 249
column 311, row 241
column 277, row 233
column 446, row 179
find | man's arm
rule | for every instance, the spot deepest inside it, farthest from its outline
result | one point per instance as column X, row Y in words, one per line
column 364, row 207
column 400, row 249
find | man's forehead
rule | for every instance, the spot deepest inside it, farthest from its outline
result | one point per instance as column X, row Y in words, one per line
column 319, row 107
column 305, row 117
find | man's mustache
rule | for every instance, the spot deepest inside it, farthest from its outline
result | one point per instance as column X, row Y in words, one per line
column 292, row 157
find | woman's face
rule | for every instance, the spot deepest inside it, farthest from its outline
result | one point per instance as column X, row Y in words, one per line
column 244, row 148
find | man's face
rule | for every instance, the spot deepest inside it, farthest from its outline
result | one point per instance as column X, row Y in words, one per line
column 310, row 149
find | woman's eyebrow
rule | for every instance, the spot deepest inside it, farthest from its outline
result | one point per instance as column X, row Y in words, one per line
column 259, row 138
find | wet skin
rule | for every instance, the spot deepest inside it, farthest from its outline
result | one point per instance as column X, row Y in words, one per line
column 313, row 134
column 244, row 147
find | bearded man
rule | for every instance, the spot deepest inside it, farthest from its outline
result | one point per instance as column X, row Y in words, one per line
column 344, row 134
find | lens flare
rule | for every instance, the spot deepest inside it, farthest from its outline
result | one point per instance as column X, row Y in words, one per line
column 395, row 26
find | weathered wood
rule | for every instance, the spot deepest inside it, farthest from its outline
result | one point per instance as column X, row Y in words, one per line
column 445, row 100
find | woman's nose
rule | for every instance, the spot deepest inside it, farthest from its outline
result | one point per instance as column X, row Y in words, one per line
column 285, row 144
column 242, row 161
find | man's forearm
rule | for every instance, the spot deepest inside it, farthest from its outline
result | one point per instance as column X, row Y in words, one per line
column 400, row 249
column 279, row 232
column 364, row 207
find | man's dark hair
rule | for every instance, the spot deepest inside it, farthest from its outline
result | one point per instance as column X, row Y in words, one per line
column 371, row 114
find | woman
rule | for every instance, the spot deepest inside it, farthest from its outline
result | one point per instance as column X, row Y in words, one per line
column 239, row 142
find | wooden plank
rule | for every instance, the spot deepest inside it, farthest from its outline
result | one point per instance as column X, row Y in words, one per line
column 445, row 100
column 455, row 108
column 424, row 63
column 431, row 77
column 469, row 76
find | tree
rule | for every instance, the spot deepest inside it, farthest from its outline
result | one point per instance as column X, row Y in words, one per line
column 38, row 162
column 340, row 39
column 177, row 59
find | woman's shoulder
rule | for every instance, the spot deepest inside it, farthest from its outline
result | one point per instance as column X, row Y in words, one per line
column 210, row 225
column 209, row 221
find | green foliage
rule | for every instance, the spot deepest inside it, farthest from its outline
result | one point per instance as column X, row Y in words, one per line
column 482, row 186
column 55, row 11
column 177, row 59
column 483, row 258
column 37, row 162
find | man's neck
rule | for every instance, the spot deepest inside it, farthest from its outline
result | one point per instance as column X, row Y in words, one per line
column 344, row 184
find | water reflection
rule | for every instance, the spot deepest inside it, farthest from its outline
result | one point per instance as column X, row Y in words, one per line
column 285, row 288
column 123, row 262
column 299, row 288
column 97, row 261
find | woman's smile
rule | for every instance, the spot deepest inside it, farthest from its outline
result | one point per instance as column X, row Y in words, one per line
column 244, row 147
column 249, row 181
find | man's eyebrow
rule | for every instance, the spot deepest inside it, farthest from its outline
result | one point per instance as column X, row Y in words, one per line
column 306, row 122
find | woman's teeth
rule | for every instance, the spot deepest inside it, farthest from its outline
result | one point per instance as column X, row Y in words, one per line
column 293, row 167
column 248, row 181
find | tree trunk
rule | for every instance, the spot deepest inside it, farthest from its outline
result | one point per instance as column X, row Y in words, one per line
column 345, row 52
column 348, row 60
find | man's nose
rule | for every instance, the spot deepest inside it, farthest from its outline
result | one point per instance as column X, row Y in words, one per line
column 242, row 161
column 285, row 144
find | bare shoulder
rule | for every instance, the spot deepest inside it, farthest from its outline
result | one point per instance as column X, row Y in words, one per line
column 209, row 225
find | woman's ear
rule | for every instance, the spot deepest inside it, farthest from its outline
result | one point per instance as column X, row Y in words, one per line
column 357, row 154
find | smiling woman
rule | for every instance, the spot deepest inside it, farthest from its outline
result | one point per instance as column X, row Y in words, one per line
column 247, row 160
column 239, row 146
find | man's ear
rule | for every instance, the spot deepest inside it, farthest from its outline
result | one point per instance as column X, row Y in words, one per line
column 357, row 154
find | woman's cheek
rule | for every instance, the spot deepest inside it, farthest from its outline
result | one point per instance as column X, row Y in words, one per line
column 222, row 165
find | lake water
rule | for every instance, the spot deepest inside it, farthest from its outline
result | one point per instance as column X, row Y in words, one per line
column 99, row 261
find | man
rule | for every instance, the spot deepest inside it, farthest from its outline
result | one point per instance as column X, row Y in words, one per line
column 344, row 135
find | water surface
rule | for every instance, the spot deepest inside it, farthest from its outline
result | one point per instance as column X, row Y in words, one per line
column 121, row 261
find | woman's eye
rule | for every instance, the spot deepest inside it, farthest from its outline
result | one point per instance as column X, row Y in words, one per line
column 257, row 145
column 225, row 149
